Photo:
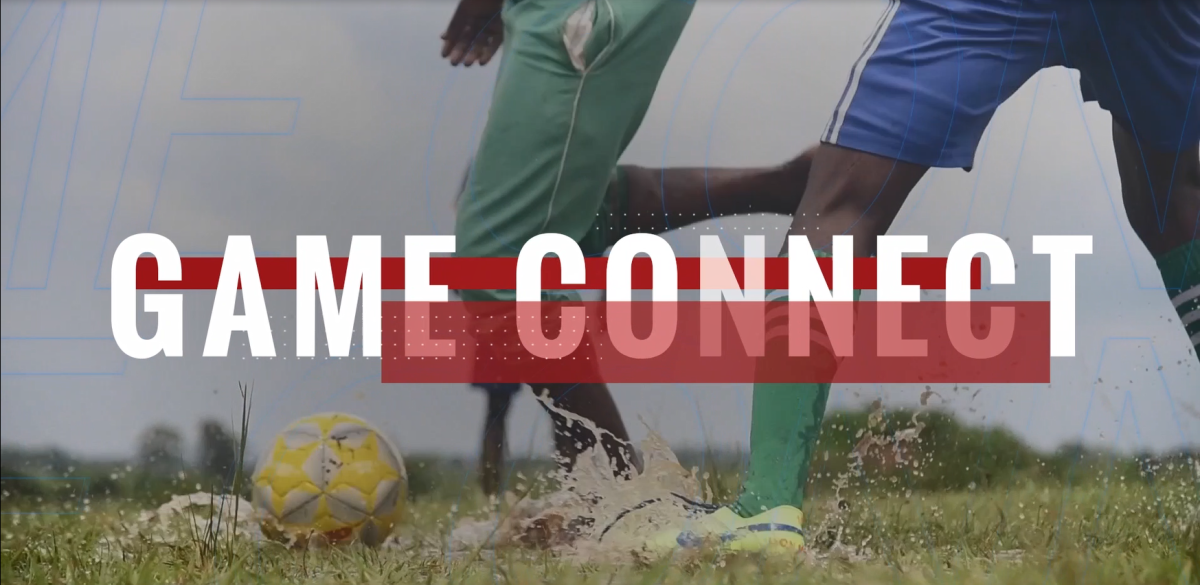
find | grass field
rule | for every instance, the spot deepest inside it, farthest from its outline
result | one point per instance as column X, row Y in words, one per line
column 1120, row 535
column 1006, row 518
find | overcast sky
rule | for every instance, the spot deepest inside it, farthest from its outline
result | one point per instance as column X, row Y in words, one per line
column 364, row 130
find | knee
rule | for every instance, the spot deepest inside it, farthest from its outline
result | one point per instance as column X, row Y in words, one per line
column 844, row 181
column 798, row 169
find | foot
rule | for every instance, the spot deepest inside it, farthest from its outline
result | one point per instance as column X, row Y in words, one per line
column 773, row 532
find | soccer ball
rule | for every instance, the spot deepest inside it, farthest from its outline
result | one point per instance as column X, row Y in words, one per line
column 330, row 477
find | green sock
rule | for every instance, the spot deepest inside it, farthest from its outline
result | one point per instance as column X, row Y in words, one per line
column 785, row 422
column 1180, row 269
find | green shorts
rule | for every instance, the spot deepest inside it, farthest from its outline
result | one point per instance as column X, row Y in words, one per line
column 575, row 81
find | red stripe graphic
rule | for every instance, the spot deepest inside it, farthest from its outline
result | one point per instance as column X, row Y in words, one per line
column 501, row 273
column 706, row 342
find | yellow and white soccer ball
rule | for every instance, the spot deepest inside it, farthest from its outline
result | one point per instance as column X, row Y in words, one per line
column 331, row 477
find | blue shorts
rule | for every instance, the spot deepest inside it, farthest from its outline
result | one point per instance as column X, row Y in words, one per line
column 934, row 71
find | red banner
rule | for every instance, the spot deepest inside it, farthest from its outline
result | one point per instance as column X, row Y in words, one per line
column 707, row 342
column 501, row 273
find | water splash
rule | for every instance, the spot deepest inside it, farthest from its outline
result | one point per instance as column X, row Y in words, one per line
column 596, row 516
column 594, row 513
column 185, row 516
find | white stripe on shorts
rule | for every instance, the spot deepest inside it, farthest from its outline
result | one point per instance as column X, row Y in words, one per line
column 1190, row 294
column 574, row 40
column 839, row 113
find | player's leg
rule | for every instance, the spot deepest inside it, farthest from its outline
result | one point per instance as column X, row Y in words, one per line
column 920, row 96
column 1150, row 87
column 575, row 82
column 591, row 401
column 495, row 432
column 849, row 192
column 658, row 200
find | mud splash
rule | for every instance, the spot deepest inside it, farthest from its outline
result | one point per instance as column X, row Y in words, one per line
column 595, row 515
column 592, row 515
column 187, row 517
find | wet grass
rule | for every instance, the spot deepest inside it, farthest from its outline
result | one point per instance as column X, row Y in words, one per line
column 1114, row 532
column 958, row 507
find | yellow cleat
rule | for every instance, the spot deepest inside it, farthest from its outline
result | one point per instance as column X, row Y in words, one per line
column 776, row 532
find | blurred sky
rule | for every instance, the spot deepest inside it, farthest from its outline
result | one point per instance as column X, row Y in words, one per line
column 274, row 119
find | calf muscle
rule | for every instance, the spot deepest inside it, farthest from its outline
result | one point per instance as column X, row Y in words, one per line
column 852, row 193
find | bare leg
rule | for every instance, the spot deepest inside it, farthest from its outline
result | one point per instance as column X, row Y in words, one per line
column 852, row 193
column 671, row 198
column 494, row 434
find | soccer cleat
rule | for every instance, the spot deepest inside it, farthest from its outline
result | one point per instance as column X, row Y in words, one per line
column 773, row 532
